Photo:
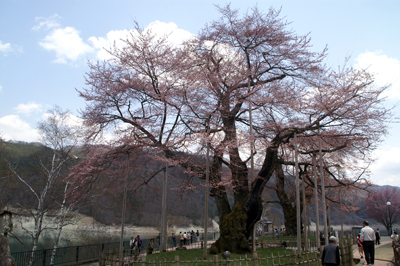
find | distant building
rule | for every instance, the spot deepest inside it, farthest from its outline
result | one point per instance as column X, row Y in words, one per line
column 266, row 227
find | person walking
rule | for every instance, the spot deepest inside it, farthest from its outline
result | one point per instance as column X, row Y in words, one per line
column 330, row 254
column 136, row 248
column 180, row 239
column 395, row 236
column 131, row 244
column 368, row 238
column 378, row 237
column 150, row 247
column 198, row 235
column 174, row 239
column 140, row 243
column 360, row 246
column 159, row 239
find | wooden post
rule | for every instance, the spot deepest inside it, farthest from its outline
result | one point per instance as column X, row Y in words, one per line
column 343, row 250
column 255, row 258
column 176, row 260
column 114, row 260
column 293, row 257
column 144, row 261
column 77, row 254
column 44, row 257
column 253, row 242
column 215, row 260
column 350, row 250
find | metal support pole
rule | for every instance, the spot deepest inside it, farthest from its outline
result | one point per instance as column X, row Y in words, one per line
column 163, row 240
column 323, row 192
column 206, row 195
column 297, row 196
column 340, row 202
column 305, row 216
column 121, row 240
column 341, row 211
column 318, row 240
column 251, row 158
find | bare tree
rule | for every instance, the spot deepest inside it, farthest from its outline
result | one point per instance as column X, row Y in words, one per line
column 61, row 137
column 383, row 205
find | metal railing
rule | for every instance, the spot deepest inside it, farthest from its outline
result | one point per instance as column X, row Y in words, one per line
column 89, row 253
column 65, row 255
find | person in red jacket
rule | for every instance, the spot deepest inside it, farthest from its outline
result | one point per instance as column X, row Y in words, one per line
column 360, row 246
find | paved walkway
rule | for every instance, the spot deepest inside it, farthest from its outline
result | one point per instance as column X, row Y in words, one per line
column 383, row 255
column 188, row 246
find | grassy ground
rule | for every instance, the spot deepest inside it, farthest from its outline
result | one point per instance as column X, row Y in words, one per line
column 384, row 252
column 194, row 255
column 385, row 246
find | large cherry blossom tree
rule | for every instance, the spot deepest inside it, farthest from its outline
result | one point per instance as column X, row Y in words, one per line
column 171, row 100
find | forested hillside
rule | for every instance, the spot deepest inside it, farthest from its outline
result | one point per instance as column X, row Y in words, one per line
column 185, row 206
column 185, row 199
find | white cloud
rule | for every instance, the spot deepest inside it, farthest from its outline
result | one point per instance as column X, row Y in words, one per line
column 5, row 48
column 175, row 37
column 13, row 128
column 1, row 88
column 387, row 70
column 67, row 44
column 28, row 108
column 47, row 23
column 113, row 37
column 386, row 169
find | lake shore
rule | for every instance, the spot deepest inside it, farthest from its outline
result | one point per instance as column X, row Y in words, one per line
column 86, row 223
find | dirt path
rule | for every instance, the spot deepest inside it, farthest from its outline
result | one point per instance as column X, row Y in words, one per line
column 383, row 255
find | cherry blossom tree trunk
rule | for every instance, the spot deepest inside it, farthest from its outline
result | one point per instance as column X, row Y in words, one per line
column 236, row 224
column 289, row 211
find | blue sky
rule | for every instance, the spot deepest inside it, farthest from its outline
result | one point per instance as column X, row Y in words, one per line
column 45, row 46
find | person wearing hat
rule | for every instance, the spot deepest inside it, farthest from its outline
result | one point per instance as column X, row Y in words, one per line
column 368, row 241
column 330, row 254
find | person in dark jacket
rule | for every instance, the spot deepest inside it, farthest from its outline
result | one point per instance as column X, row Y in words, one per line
column 377, row 237
column 330, row 255
column 140, row 243
column 150, row 247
